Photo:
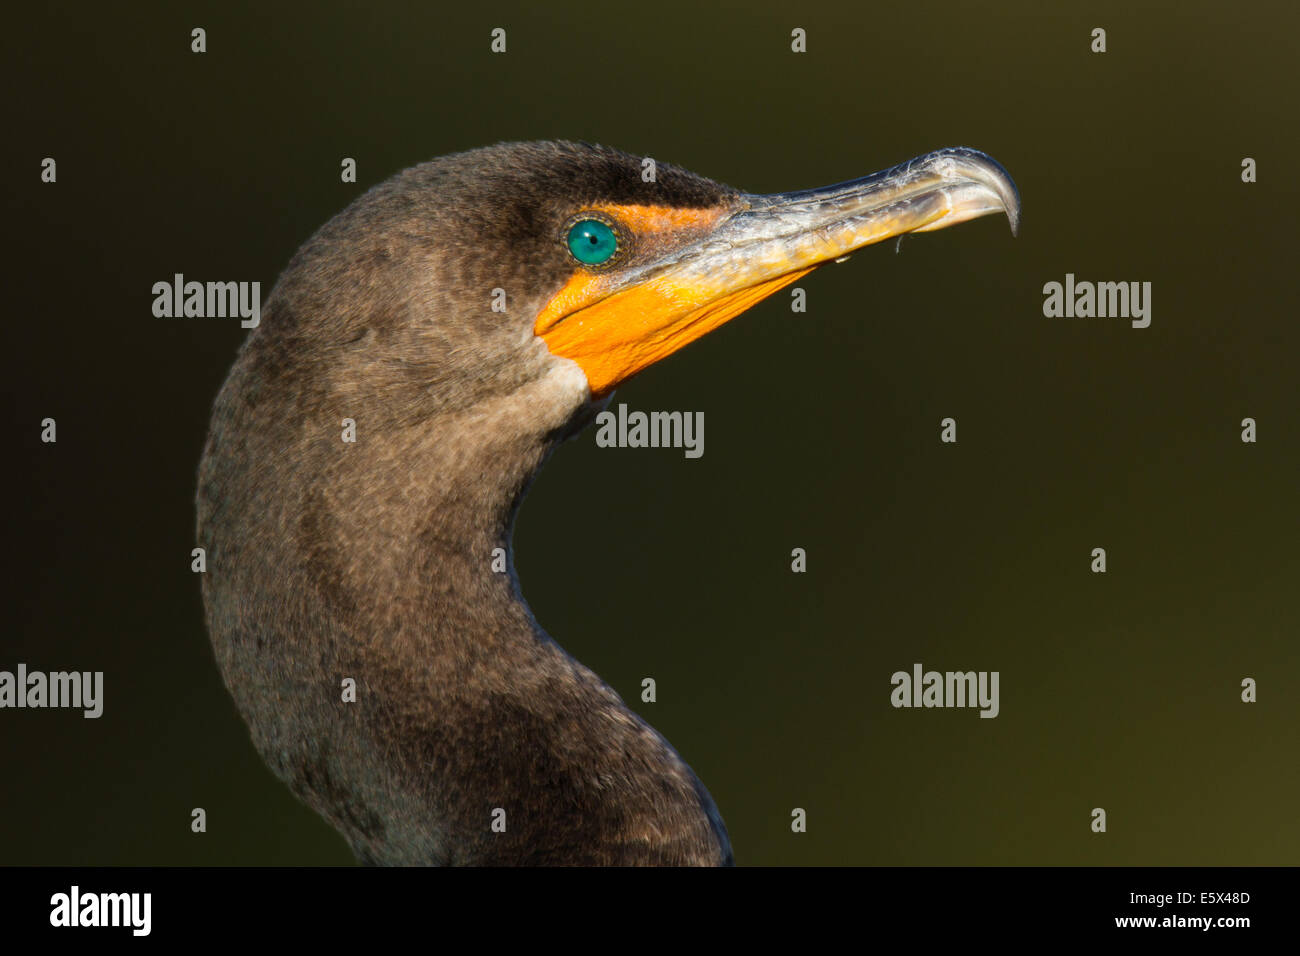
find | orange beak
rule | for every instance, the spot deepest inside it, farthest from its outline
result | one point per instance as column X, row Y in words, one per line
column 716, row 263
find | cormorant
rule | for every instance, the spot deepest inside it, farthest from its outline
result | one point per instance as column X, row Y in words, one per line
column 373, row 559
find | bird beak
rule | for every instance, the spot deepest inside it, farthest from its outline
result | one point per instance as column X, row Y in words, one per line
column 720, row 262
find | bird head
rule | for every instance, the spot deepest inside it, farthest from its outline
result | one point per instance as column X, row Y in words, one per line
column 471, row 275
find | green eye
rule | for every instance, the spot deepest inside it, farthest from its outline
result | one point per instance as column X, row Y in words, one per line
column 592, row 242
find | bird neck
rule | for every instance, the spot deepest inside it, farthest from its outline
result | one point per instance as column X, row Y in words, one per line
column 471, row 736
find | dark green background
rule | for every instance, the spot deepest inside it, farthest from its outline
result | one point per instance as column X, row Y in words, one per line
column 1118, row 690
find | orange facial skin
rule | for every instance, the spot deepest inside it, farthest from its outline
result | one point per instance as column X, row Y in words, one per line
column 612, row 332
column 618, row 336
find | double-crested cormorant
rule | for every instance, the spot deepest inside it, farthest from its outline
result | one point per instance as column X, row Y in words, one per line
column 373, row 559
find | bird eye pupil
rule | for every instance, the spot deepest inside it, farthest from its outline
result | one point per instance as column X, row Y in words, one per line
column 592, row 242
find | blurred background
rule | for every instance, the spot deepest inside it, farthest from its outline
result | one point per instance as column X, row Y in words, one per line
column 1119, row 691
